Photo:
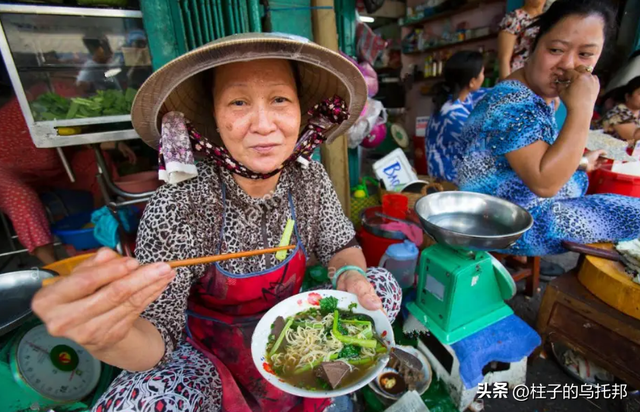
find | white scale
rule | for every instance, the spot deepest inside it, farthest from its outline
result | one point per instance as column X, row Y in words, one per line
column 38, row 370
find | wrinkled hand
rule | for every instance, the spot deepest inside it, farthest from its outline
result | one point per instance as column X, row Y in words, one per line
column 98, row 303
column 595, row 160
column 354, row 282
column 581, row 93
column 127, row 152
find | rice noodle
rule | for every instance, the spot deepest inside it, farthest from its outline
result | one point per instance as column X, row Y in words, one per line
column 307, row 345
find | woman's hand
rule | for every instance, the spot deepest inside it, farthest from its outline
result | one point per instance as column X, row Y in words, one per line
column 581, row 93
column 354, row 282
column 124, row 149
column 595, row 160
column 127, row 152
column 99, row 303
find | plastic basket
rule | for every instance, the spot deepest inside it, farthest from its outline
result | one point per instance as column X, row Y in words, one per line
column 71, row 232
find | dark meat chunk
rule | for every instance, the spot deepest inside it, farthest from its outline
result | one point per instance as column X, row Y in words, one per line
column 278, row 325
column 409, row 367
column 332, row 372
column 400, row 358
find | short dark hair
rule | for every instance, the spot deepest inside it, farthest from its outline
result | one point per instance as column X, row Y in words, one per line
column 632, row 86
column 94, row 43
column 458, row 71
column 562, row 9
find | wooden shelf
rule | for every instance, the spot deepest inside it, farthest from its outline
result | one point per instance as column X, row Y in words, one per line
column 469, row 6
column 450, row 45
column 430, row 79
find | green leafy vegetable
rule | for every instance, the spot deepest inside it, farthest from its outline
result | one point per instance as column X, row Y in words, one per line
column 349, row 351
column 323, row 384
column 281, row 337
column 312, row 365
column 52, row 106
column 367, row 331
column 365, row 343
column 360, row 361
column 328, row 305
column 353, row 306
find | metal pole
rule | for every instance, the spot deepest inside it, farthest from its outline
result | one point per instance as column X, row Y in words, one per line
column 5, row 225
column 66, row 165
column 334, row 156
column 104, row 171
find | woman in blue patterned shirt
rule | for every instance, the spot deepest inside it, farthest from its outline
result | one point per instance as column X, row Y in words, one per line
column 516, row 153
column 455, row 99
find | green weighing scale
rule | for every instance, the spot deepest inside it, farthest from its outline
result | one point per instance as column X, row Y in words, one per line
column 462, row 288
column 39, row 372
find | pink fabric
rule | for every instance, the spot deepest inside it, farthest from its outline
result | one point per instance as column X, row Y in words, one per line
column 25, row 170
column 412, row 232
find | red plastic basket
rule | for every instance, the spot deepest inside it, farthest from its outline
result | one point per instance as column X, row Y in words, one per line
column 604, row 180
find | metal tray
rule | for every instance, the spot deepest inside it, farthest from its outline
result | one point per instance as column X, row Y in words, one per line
column 16, row 291
column 472, row 221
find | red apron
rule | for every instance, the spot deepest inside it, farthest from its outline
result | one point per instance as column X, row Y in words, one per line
column 224, row 309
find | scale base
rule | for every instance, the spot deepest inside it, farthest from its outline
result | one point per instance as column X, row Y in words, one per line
column 449, row 337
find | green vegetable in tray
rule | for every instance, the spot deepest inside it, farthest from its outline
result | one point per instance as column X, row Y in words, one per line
column 52, row 106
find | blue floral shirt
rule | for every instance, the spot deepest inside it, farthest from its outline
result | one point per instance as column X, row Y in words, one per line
column 444, row 135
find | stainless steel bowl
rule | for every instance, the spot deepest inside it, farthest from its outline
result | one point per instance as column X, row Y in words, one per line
column 472, row 221
column 16, row 291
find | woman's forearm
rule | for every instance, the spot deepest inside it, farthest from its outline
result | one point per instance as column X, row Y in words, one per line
column 626, row 131
column 140, row 350
column 562, row 158
column 504, row 68
column 546, row 168
column 506, row 43
column 352, row 256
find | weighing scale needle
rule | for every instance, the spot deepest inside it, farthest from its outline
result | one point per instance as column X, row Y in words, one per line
column 34, row 346
column 72, row 373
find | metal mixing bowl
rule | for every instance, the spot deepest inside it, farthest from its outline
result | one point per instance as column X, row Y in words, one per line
column 16, row 291
column 472, row 221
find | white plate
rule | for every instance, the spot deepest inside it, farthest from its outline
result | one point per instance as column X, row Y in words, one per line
column 302, row 302
column 421, row 387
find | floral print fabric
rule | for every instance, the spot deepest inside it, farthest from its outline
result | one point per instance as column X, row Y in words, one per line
column 517, row 23
column 620, row 114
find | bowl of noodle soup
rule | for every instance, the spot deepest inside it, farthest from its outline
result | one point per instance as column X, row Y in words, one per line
column 307, row 345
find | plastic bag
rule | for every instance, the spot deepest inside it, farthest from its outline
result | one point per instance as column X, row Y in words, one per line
column 369, row 45
column 373, row 114
column 370, row 77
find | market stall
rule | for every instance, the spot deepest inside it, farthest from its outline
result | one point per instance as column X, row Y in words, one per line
column 75, row 72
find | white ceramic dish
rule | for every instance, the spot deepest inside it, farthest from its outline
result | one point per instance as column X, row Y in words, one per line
column 421, row 387
column 302, row 302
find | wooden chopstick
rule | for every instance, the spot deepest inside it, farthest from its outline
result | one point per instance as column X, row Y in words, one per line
column 202, row 260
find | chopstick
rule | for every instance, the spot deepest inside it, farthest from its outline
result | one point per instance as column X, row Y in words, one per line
column 202, row 260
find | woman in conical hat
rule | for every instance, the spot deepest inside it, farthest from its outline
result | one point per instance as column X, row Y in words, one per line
column 252, row 108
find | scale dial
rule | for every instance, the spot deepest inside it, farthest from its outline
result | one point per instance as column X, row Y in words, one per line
column 56, row 368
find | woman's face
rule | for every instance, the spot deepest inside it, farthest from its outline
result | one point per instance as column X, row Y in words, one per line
column 633, row 100
column 574, row 41
column 257, row 112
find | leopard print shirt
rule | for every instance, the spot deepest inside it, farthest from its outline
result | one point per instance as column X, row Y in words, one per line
column 186, row 220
